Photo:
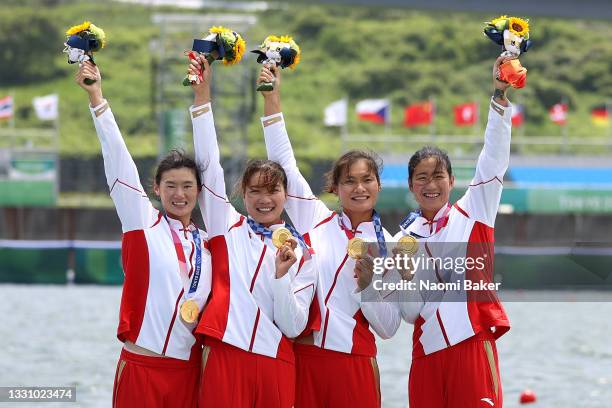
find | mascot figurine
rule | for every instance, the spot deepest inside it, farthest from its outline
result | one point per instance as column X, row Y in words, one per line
column 220, row 44
column 278, row 51
column 512, row 33
column 83, row 40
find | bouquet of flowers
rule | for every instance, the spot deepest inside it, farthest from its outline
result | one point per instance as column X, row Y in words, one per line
column 278, row 51
column 82, row 41
column 220, row 44
column 512, row 33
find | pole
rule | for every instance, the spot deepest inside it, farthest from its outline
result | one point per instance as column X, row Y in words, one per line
column 432, row 123
column 521, row 131
column 476, row 126
column 11, row 126
column 564, row 127
column 12, row 118
column 343, row 138
column 55, row 147
column 344, row 128
column 388, row 121
column 608, row 111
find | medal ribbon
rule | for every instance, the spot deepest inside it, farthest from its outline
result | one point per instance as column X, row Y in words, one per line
column 413, row 215
column 267, row 232
column 378, row 229
column 180, row 255
column 440, row 222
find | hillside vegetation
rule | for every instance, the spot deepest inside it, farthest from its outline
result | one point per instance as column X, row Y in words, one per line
column 356, row 52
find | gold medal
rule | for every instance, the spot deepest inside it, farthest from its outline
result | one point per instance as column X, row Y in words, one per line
column 280, row 236
column 190, row 311
column 356, row 248
column 408, row 245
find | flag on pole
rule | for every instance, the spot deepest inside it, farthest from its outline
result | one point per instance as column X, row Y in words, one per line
column 466, row 114
column 46, row 106
column 558, row 113
column 599, row 116
column 6, row 107
column 518, row 115
column 374, row 110
column 418, row 114
column 335, row 113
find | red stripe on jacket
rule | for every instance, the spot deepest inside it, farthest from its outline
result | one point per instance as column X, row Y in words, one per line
column 484, row 308
column 135, row 261
column 364, row 343
column 214, row 318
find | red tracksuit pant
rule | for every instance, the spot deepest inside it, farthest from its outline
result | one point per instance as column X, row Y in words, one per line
column 465, row 375
column 234, row 378
column 330, row 379
column 156, row 382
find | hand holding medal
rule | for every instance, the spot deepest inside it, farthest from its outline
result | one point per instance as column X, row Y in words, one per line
column 357, row 248
column 286, row 244
column 512, row 33
column 83, row 40
column 406, row 246
column 220, row 44
column 280, row 237
column 278, row 52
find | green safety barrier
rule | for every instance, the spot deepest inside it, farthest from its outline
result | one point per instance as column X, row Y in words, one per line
column 517, row 200
column 50, row 265
column 516, row 268
column 98, row 266
column 25, row 193
column 24, row 265
column 522, row 271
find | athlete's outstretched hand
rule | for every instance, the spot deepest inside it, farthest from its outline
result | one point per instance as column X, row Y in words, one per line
column 201, row 91
column 364, row 271
column 271, row 98
column 285, row 257
column 499, row 94
column 88, row 70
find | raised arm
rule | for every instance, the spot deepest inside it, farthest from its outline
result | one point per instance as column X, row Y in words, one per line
column 303, row 207
column 131, row 202
column 481, row 200
column 217, row 211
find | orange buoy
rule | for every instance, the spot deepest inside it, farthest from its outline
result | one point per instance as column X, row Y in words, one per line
column 527, row 397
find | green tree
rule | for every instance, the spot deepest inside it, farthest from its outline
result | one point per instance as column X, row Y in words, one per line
column 29, row 44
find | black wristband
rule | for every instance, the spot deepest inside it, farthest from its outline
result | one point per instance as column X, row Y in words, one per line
column 499, row 94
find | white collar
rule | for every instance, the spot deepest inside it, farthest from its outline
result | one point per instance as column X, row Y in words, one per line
column 178, row 225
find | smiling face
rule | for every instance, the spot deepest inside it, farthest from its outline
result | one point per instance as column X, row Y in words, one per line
column 431, row 185
column 358, row 189
column 264, row 201
column 178, row 192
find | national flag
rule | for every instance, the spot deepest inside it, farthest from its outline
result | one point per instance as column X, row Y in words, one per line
column 466, row 114
column 374, row 110
column 599, row 116
column 518, row 115
column 6, row 107
column 418, row 114
column 46, row 106
column 335, row 113
column 558, row 113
